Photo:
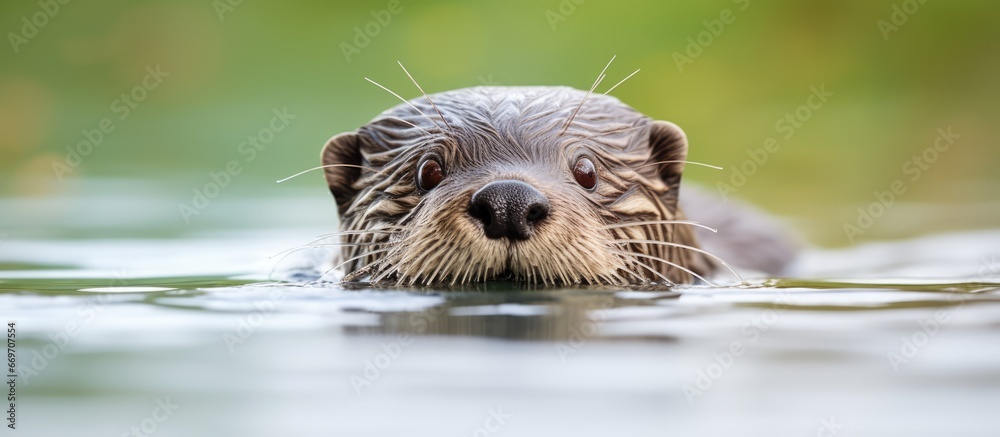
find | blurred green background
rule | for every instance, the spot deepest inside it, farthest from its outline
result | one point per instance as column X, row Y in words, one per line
column 231, row 65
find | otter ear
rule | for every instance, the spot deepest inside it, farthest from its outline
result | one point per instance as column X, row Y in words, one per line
column 342, row 153
column 668, row 143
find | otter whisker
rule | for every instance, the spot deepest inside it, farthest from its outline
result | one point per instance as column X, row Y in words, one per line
column 597, row 82
column 684, row 246
column 389, row 266
column 358, row 244
column 626, row 261
column 373, row 231
column 658, row 222
column 383, row 227
column 370, row 260
column 675, row 265
column 322, row 167
column 651, row 270
column 324, row 237
column 624, row 267
column 388, row 229
column 386, row 273
column 621, row 81
column 368, row 253
column 607, row 279
column 427, row 252
column 360, row 273
column 288, row 252
column 405, row 101
column 621, row 279
column 371, row 196
column 445, row 120
column 680, row 161
column 313, row 245
column 409, row 123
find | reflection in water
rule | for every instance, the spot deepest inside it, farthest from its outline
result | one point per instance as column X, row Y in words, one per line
column 242, row 356
column 519, row 315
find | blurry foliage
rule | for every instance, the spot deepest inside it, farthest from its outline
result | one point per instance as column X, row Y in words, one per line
column 940, row 68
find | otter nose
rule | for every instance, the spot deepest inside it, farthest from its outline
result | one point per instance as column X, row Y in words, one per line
column 508, row 209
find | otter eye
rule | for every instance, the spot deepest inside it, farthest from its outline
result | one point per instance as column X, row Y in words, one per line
column 430, row 174
column 584, row 173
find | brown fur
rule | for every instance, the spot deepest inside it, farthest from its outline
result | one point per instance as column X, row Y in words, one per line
column 396, row 233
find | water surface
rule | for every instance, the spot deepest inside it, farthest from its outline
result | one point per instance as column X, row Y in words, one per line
column 882, row 339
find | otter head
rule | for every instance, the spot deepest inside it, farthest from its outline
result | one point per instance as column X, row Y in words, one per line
column 496, row 183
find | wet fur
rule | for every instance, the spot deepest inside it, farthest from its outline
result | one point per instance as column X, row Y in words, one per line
column 393, row 232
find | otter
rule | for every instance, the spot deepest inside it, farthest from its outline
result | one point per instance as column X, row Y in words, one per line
column 542, row 185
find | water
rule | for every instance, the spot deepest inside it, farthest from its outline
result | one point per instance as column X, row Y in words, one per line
column 882, row 339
